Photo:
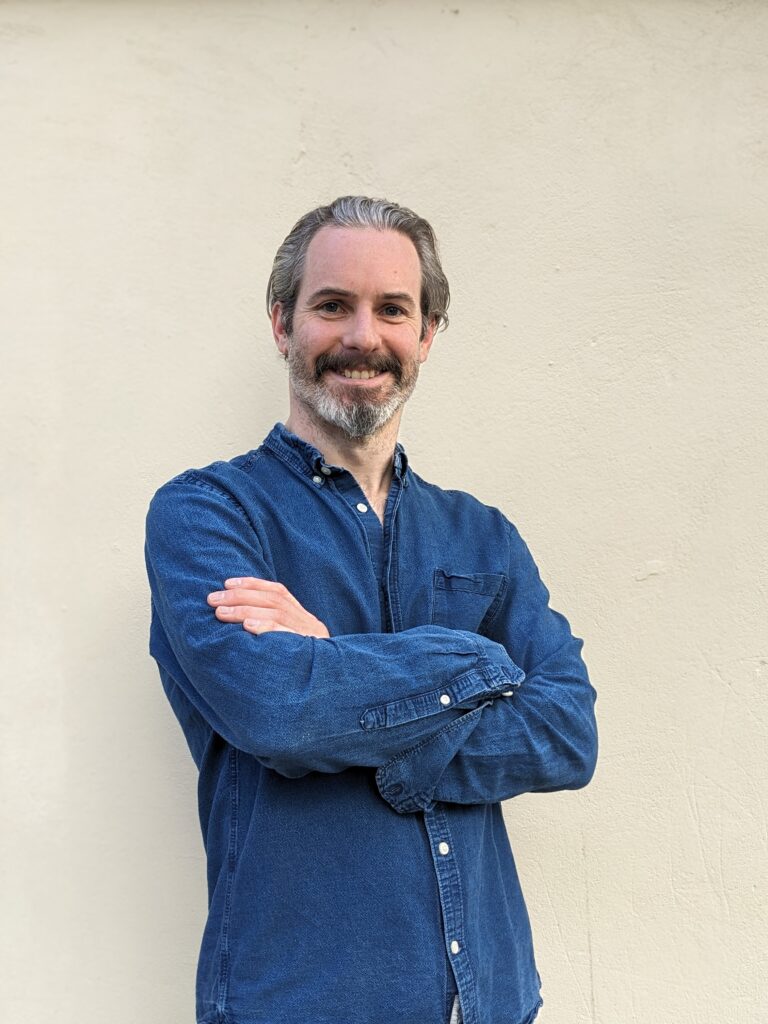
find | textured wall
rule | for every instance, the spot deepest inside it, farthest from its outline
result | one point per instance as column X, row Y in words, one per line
column 598, row 175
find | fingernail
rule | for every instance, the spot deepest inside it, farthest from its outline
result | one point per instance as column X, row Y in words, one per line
column 235, row 582
column 217, row 595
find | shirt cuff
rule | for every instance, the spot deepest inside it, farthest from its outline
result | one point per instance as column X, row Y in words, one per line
column 408, row 781
column 479, row 684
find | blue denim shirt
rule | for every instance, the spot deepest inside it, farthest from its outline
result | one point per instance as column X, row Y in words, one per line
column 359, row 870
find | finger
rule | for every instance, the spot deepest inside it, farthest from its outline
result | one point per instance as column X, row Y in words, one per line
column 254, row 598
column 251, row 582
column 254, row 583
column 239, row 613
column 263, row 626
column 278, row 618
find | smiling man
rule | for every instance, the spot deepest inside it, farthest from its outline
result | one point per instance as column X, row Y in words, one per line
column 363, row 665
column 354, row 355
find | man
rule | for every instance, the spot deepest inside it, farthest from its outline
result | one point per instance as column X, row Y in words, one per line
column 364, row 665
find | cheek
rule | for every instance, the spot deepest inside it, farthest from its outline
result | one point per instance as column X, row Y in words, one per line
column 408, row 344
column 318, row 339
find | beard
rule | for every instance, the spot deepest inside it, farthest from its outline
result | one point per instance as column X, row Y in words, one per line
column 358, row 412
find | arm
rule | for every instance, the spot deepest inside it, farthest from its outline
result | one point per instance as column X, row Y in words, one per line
column 543, row 738
column 298, row 703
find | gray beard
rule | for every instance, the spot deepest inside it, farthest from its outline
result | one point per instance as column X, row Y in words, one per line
column 356, row 419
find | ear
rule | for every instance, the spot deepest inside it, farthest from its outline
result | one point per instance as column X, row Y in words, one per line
column 278, row 329
column 426, row 342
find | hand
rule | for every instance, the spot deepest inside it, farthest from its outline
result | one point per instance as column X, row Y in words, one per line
column 264, row 606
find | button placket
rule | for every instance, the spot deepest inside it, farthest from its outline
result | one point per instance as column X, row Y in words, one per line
column 452, row 907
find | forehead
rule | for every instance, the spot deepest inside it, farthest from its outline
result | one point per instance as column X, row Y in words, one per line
column 361, row 260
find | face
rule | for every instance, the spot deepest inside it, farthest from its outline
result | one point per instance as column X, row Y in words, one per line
column 356, row 346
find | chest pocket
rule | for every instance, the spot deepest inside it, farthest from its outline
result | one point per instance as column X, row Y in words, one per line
column 466, row 602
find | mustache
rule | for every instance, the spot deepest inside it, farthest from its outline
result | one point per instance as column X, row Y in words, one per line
column 339, row 363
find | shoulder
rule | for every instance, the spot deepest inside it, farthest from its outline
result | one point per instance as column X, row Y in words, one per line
column 219, row 472
column 457, row 504
column 465, row 517
column 226, row 481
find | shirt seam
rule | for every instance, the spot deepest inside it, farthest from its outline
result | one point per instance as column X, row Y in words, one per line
column 232, row 855
column 192, row 478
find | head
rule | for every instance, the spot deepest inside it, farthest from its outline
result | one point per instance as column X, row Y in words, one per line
column 355, row 296
column 360, row 211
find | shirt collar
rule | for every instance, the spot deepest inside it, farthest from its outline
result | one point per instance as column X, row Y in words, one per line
column 307, row 459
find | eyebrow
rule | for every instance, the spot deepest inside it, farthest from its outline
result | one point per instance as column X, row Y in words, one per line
column 342, row 293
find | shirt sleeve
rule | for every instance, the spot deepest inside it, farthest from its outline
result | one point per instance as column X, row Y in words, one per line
column 542, row 737
column 296, row 703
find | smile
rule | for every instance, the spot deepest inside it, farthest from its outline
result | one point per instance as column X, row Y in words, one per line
column 358, row 375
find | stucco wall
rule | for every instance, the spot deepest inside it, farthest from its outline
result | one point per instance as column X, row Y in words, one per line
column 598, row 175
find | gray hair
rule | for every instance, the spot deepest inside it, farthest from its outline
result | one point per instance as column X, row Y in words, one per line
column 360, row 211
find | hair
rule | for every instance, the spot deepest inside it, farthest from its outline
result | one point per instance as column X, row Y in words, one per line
column 359, row 211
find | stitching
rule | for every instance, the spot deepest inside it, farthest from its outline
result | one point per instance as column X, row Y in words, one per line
column 290, row 459
column 232, row 853
column 191, row 477
column 491, row 615
column 486, row 671
column 251, row 459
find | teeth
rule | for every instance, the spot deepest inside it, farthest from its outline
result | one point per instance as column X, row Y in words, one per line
column 359, row 374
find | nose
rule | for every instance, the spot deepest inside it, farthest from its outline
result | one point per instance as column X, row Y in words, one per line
column 362, row 331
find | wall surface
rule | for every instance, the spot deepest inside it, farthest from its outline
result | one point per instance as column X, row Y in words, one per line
column 597, row 172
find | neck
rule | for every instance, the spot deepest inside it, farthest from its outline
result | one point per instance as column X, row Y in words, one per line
column 368, row 459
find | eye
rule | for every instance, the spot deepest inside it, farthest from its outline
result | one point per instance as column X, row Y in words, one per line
column 331, row 306
column 391, row 310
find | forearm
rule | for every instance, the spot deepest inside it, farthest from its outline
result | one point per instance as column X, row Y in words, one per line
column 542, row 738
column 298, row 703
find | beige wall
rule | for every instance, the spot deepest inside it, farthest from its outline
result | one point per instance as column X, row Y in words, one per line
column 598, row 175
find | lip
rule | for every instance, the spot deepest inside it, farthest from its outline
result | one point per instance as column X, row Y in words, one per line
column 359, row 382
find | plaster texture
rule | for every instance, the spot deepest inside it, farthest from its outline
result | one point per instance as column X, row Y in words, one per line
column 597, row 173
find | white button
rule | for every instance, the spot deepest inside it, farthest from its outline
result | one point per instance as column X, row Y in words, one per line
column 317, row 479
column 445, row 699
column 325, row 470
column 508, row 693
column 455, row 947
column 444, row 848
column 361, row 507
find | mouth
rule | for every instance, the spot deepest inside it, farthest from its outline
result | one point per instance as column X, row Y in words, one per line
column 358, row 372
column 359, row 378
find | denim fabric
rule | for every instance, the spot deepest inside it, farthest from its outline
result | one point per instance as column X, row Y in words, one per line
column 359, row 869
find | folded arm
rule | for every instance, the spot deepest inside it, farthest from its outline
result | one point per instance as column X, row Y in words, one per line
column 543, row 738
column 299, row 703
